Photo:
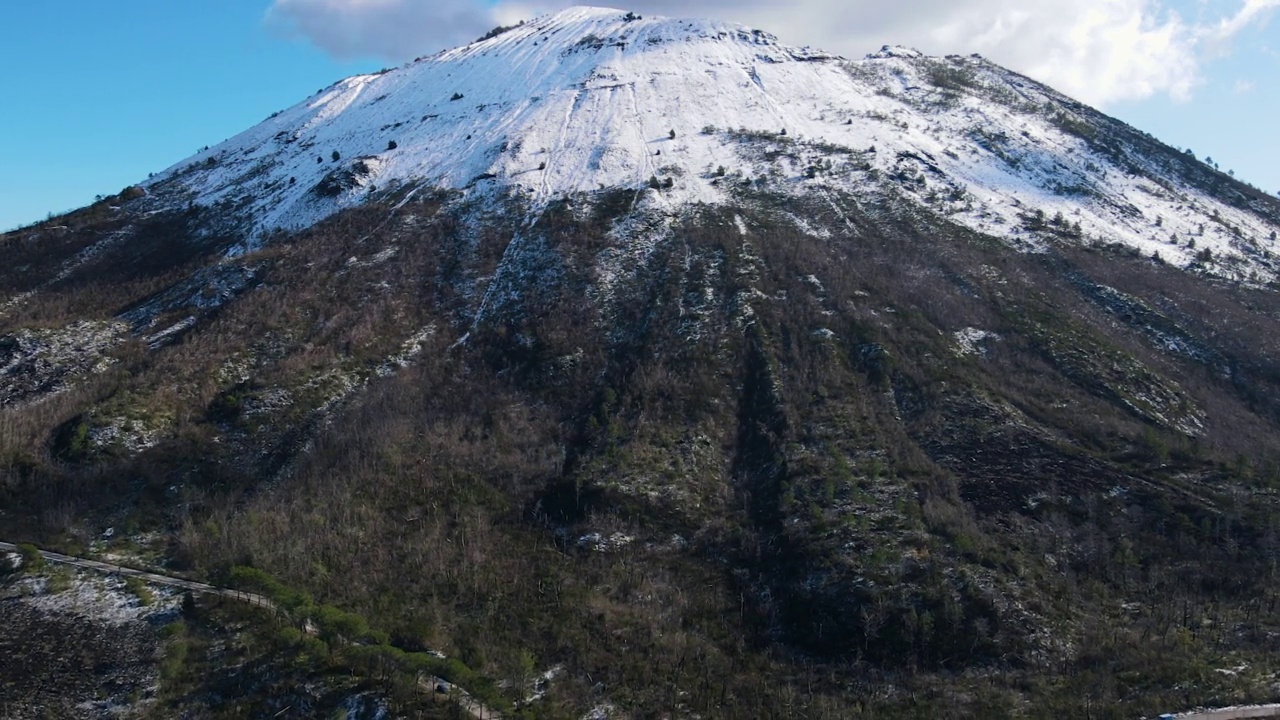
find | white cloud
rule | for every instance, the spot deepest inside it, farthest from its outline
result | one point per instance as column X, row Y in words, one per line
column 1100, row 51
column 1251, row 12
column 1242, row 87
column 395, row 30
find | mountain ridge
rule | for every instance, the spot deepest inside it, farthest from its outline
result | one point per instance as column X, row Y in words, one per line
column 589, row 99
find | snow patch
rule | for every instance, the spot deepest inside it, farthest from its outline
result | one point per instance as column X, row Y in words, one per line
column 603, row 711
column 409, row 350
column 601, row 543
column 970, row 341
column 102, row 599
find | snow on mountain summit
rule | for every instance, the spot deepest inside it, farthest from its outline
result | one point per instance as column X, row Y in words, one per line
column 592, row 98
column 568, row 102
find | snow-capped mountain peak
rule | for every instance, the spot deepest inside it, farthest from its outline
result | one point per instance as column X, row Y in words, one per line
column 592, row 98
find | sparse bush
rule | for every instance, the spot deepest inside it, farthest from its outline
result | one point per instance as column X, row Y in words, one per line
column 499, row 30
column 336, row 156
column 32, row 560
column 950, row 77
column 133, row 192
column 58, row 581
column 227, row 406
column 176, row 651
column 391, row 145
column 71, row 441
column 139, row 589
column 456, row 97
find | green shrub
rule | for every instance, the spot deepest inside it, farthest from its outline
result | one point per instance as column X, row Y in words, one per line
column 59, row 581
column 227, row 406
column 175, row 652
column 32, row 560
column 139, row 590
column 71, row 442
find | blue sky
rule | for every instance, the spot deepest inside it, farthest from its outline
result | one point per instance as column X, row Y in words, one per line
column 1233, row 115
column 97, row 94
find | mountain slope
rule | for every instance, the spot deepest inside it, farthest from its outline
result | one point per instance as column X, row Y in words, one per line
column 590, row 98
column 827, row 447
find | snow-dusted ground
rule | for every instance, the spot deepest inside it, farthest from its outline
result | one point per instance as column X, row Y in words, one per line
column 44, row 360
column 96, row 597
column 590, row 98
column 971, row 341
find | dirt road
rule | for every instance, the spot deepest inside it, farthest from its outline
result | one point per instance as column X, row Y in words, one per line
column 462, row 697
column 145, row 576
column 1251, row 712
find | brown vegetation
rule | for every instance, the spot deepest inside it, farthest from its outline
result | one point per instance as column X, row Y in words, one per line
column 818, row 507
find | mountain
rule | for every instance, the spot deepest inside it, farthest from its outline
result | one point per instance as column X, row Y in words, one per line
column 593, row 98
column 619, row 366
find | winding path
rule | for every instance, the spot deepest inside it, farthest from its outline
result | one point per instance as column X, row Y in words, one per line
column 169, row 580
column 464, row 699
column 1248, row 712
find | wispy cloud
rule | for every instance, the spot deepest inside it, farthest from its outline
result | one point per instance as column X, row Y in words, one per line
column 395, row 30
column 1251, row 12
column 1101, row 51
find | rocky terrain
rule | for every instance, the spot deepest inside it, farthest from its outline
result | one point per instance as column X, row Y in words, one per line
column 77, row 646
column 633, row 367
